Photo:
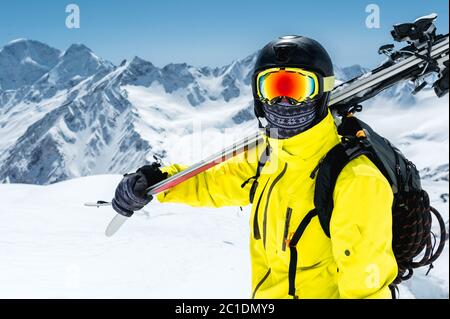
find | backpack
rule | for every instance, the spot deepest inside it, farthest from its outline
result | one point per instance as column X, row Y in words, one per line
column 411, row 209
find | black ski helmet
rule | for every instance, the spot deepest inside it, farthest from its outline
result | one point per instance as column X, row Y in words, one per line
column 294, row 51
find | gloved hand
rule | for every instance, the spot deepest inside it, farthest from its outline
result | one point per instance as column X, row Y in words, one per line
column 130, row 193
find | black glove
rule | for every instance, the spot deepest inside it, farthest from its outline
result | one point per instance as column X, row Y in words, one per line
column 130, row 194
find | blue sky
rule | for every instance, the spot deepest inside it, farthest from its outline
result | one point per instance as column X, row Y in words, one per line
column 213, row 33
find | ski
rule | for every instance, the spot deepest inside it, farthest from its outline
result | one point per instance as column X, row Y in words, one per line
column 344, row 96
column 239, row 147
column 426, row 53
column 115, row 224
column 211, row 161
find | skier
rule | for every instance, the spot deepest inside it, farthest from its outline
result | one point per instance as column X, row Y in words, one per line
column 292, row 80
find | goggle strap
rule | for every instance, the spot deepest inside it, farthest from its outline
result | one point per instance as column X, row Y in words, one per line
column 328, row 83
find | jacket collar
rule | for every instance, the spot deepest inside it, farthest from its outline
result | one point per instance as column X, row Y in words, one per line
column 311, row 144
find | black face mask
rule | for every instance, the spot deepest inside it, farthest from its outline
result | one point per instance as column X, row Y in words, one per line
column 285, row 120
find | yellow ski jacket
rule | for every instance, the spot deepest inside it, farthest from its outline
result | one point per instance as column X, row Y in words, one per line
column 356, row 262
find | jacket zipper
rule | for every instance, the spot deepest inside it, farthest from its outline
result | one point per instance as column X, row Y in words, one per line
column 276, row 180
column 286, row 228
column 261, row 282
column 256, row 232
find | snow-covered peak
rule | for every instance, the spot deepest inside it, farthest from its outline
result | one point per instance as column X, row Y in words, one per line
column 242, row 69
column 346, row 73
column 77, row 50
column 23, row 61
column 17, row 41
column 22, row 48
column 76, row 63
column 137, row 61
column 176, row 76
column 138, row 72
column 175, row 67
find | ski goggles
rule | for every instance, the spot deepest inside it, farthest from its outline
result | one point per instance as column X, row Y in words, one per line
column 295, row 84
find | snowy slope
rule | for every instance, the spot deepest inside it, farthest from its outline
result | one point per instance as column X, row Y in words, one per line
column 51, row 246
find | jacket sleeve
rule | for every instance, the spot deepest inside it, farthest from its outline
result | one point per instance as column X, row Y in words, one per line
column 217, row 186
column 361, row 232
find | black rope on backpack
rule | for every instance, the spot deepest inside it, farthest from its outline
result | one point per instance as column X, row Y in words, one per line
column 443, row 235
column 415, row 235
column 394, row 291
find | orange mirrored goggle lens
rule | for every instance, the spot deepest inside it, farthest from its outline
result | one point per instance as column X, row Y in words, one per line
column 286, row 83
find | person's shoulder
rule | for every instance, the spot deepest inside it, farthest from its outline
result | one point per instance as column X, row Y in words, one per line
column 362, row 168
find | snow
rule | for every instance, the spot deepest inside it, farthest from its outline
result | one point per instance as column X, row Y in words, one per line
column 420, row 131
column 29, row 60
column 17, row 40
column 14, row 124
column 54, row 247
column 168, row 120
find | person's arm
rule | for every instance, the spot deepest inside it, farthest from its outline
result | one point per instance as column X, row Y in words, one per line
column 361, row 232
column 216, row 187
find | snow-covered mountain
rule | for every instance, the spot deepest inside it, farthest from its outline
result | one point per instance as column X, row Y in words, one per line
column 23, row 62
column 70, row 114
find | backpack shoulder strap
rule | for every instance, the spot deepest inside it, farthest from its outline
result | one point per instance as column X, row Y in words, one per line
column 327, row 174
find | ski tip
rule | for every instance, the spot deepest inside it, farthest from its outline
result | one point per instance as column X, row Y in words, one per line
column 115, row 224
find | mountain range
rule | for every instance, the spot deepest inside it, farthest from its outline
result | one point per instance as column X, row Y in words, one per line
column 66, row 114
